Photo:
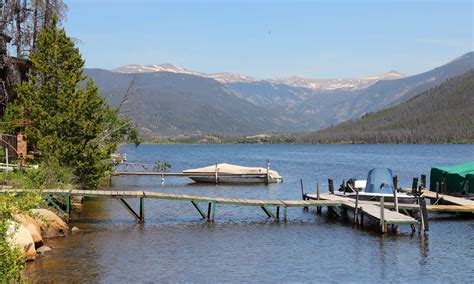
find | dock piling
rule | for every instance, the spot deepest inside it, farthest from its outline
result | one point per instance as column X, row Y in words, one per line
column 209, row 205
column 395, row 191
column 414, row 186
column 382, row 217
column 356, row 209
column 267, row 177
column 424, row 216
column 423, row 181
column 331, row 186
column 213, row 211
column 303, row 195
column 142, row 210
column 318, row 197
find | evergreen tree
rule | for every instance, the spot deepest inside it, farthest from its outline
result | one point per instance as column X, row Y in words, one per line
column 62, row 112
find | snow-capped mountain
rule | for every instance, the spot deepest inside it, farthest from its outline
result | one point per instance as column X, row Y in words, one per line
column 220, row 77
column 294, row 81
column 334, row 84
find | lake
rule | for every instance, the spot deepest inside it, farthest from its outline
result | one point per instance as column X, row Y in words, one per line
column 242, row 245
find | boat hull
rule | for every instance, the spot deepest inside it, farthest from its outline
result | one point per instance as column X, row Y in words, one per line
column 235, row 179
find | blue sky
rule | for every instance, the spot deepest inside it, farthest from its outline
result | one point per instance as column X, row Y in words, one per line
column 265, row 39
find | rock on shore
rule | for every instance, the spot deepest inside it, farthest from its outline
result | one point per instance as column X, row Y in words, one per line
column 51, row 226
column 21, row 237
column 27, row 232
column 33, row 227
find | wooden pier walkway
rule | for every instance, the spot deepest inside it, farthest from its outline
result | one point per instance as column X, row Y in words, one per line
column 444, row 198
column 382, row 215
column 265, row 205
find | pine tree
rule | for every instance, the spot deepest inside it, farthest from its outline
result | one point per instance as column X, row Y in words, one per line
column 63, row 114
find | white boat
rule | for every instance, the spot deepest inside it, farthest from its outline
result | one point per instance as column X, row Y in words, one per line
column 227, row 173
column 379, row 183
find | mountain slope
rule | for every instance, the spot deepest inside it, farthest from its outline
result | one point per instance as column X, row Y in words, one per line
column 443, row 114
column 170, row 104
column 387, row 93
column 177, row 101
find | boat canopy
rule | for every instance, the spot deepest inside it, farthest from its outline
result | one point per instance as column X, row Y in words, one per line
column 224, row 168
column 380, row 180
column 459, row 178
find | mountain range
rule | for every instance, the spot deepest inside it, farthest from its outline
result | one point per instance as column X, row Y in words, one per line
column 443, row 114
column 293, row 81
column 166, row 100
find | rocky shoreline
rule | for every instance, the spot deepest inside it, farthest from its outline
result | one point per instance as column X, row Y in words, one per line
column 28, row 231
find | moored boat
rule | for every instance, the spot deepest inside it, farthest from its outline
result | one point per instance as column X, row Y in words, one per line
column 379, row 183
column 228, row 173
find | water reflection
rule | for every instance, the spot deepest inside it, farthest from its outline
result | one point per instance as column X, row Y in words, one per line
column 175, row 245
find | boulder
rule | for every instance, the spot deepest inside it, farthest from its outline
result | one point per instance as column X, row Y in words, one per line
column 32, row 226
column 51, row 225
column 18, row 235
column 43, row 249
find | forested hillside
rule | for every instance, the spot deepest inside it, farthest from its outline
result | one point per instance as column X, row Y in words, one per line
column 444, row 114
column 175, row 104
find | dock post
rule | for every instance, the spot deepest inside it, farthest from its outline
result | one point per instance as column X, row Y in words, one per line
column 267, row 178
column 423, row 181
column 213, row 211
column 424, row 216
column 284, row 213
column 277, row 214
column 216, row 178
column 331, row 186
column 356, row 209
column 162, row 177
column 142, row 210
column 209, row 211
column 303, row 195
column 414, row 186
column 318, row 208
column 395, row 190
column 382, row 217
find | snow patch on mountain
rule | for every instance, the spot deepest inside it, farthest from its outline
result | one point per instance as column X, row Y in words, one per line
column 294, row 81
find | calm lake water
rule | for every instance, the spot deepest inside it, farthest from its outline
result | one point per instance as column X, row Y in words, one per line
column 175, row 245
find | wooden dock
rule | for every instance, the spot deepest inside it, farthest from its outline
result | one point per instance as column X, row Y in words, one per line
column 446, row 203
column 196, row 201
column 438, row 198
column 380, row 214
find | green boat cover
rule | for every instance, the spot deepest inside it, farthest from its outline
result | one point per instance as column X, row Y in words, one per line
column 459, row 178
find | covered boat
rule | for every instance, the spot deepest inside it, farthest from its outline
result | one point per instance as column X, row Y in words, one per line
column 453, row 180
column 379, row 183
column 228, row 173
